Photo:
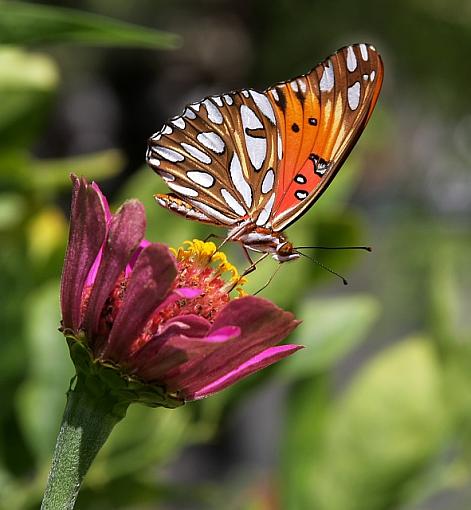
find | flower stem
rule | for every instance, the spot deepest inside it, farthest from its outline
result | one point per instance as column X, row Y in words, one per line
column 88, row 420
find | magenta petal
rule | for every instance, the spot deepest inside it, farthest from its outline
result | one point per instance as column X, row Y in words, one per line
column 155, row 359
column 223, row 334
column 149, row 285
column 262, row 324
column 262, row 360
column 187, row 292
column 126, row 231
column 143, row 244
column 93, row 271
column 86, row 235
column 106, row 206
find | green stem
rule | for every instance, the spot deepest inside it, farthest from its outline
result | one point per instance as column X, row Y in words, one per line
column 89, row 418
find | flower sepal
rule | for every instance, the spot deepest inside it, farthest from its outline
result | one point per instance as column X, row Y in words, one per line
column 106, row 381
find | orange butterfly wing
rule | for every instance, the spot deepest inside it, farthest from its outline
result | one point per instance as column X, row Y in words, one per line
column 265, row 158
column 320, row 116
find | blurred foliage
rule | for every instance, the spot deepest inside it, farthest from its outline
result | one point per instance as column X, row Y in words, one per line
column 376, row 411
column 26, row 23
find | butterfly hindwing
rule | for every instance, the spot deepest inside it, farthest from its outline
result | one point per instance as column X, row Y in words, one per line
column 218, row 156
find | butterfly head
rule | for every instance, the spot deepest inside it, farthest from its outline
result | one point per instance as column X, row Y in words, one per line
column 285, row 252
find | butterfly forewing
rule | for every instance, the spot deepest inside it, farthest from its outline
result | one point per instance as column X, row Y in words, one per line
column 266, row 157
column 321, row 115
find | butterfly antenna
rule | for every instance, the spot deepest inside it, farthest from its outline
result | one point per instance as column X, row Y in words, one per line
column 269, row 281
column 366, row 248
column 324, row 267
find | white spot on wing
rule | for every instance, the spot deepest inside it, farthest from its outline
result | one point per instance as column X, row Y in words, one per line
column 372, row 75
column 196, row 106
column 213, row 213
column 189, row 114
column 245, row 93
column 183, row 190
column 168, row 154
column 353, row 95
column 232, row 202
column 274, row 93
column 294, row 86
column 351, row 59
column 166, row 176
column 256, row 147
column 196, row 153
column 179, row 122
column 214, row 115
column 261, row 100
column 238, row 179
column 364, row 52
column 280, row 147
column 268, row 181
column 228, row 99
column 302, row 85
column 365, row 76
column 203, row 179
column 327, row 80
column 211, row 141
column 264, row 215
column 156, row 136
column 153, row 161
column 167, row 130
column 217, row 100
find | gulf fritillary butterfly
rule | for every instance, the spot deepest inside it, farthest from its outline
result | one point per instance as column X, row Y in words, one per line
column 255, row 162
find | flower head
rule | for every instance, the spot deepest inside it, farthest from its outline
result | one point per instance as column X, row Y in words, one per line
column 162, row 319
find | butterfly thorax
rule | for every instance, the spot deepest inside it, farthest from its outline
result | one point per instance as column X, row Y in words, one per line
column 265, row 240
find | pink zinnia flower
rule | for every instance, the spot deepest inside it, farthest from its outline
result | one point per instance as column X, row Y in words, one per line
column 162, row 320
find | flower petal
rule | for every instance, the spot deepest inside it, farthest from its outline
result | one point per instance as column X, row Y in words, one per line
column 262, row 324
column 156, row 358
column 86, row 235
column 126, row 231
column 261, row 360
column 136, row 254
column 149, row 284
column 93, row 271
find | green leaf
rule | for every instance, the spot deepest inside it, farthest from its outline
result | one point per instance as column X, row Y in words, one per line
column 28, row 82
column 146, row 437
column 381, row 433
column 331, row 328
column 41, row 398
column 26, row 23
column 53, row 174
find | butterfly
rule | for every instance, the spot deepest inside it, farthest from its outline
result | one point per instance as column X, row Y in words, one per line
column 255, row 162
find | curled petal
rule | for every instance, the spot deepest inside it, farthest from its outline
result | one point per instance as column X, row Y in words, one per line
column 223, row 334
column 262, row 360
column 126, row 230
column 87, row 233
column 93, row 271
column 143, row 244
column 262, row 325
column 149, row 285
column 161, row 353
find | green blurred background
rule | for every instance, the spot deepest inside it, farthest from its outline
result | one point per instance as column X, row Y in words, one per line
column 375, row 414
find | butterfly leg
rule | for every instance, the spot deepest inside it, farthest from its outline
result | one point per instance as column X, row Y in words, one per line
column 253, row 265
column 247, row 254
column 269, row 281
column 249, row 270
